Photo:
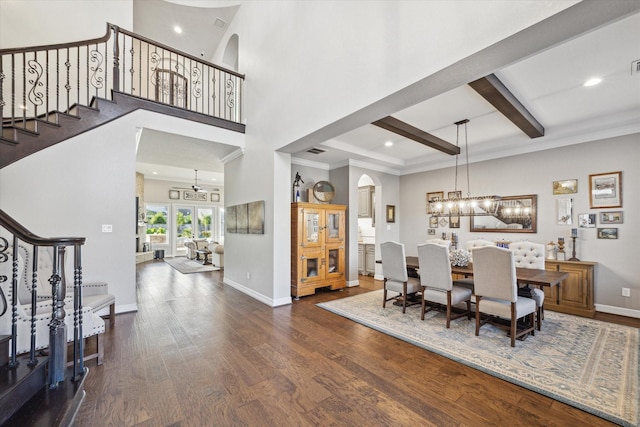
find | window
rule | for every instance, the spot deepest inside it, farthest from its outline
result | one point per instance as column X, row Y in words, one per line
column 156, row 218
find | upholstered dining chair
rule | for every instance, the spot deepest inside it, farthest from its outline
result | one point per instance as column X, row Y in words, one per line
column 394, row 270
column 496, row 291
column 442, row 242
column 467, row 282
column 435, row 278
column 531, row 255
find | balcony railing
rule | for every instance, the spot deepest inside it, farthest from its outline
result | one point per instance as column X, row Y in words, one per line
column 36, row 81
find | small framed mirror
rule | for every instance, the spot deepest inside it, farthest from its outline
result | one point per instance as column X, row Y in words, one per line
column 511, row 214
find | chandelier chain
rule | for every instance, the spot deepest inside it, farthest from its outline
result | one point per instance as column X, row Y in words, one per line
column 466, row 153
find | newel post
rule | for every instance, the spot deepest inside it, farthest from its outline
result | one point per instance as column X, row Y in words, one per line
column 57, row 327
column 116, row 57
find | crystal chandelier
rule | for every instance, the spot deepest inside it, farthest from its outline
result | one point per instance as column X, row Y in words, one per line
column 469, row 205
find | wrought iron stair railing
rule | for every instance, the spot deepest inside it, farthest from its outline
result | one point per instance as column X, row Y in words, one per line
column 13, row 236
column 38, row 83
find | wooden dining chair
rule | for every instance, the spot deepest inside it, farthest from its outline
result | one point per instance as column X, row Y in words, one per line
column 531, row 255
column 394, row 270
column 496, row 291
column 435, row 278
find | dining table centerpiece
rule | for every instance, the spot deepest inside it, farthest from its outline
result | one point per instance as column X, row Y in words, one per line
column 460, row 257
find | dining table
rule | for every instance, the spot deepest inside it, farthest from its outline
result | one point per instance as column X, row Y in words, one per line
column 529, row 276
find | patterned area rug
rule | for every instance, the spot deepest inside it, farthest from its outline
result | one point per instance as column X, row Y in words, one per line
column 586, row 363
column 186, row 266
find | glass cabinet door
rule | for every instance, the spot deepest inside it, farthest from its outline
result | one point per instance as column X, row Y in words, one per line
column 312, row 266
column 334, row 227
column 334, row 261
column 312, row 228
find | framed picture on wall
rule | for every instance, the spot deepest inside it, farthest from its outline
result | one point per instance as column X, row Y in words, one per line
column 433, row 197
column 587, row 220
column 568, row 186
column 605, row 190
column 215, row 197
column 607, row 233
column 174, row 194
column 391, row 213
column 614, row 217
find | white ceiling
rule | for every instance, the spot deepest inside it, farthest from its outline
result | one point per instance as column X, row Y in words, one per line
column 549, row 85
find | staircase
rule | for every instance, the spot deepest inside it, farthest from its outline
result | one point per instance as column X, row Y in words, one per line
column 49, row 94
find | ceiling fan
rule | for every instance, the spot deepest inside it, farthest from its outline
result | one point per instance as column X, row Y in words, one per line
column 195, row 187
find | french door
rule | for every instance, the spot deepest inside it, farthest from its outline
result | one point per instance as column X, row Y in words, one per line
column 193, row 222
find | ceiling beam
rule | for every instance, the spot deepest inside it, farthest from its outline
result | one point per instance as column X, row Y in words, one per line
column 405, row 129
column 492, row 89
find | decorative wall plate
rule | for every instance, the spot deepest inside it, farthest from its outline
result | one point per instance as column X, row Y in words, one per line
column 324, row 192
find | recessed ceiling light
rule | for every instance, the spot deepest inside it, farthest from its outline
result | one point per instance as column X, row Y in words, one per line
column 177, row 29
column 155, row 173
column 592, row 81
column 388, row 144
column 213, row 179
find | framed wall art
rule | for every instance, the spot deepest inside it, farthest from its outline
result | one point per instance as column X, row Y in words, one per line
column 215, row 197
column 256, row 217
column 614, row 217
column 587, row 220
column 605, row 190
column 564, row 209
column 391, row 213
column 607, row 233
column 568, row 186
column 433, row 197
column 174, row 194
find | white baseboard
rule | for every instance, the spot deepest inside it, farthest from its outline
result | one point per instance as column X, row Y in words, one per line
column 352, row 283
column 255, row 295
column 126, row 308
column 378, row 277
column 621, row 311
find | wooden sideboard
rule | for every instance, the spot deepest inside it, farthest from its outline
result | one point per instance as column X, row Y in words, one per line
column 317, row 247
column 576, row 291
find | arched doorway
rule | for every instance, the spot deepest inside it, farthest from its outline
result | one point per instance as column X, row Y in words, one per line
column 366, row 226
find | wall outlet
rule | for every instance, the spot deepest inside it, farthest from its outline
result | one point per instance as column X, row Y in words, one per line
column 107, row 228
column 626, row 292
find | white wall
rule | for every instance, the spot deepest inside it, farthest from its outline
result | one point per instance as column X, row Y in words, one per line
column 311, row 64
column 534, row 173
column 74, row 187
column 40, row 22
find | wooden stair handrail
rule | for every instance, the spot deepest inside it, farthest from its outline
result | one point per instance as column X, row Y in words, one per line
column 177, row 52
column 104, row 38
column 27, row 236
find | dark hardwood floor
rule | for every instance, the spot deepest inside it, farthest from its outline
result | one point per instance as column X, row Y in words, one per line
column 200, row 353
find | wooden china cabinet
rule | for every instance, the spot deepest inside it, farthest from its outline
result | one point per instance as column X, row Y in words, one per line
column 317, row 247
